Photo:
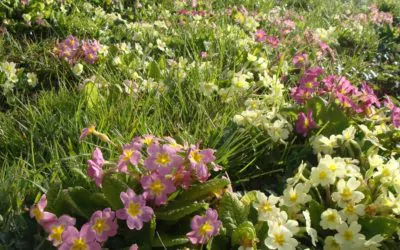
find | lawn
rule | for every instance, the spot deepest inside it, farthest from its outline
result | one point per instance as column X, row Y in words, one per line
column 208, row 124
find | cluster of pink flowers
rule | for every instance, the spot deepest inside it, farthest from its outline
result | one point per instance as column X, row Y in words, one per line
column 380, row 17
column 347, row 95
column 186, row 12
column 305, row 123
column 72, row 50
column 351, row 98
column 395, row 111
column 261, row 36
column 166, row 167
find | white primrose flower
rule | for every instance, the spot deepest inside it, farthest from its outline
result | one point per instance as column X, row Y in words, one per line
column 293, row 196
column 207, row 88
column 310, row 231
column 161, row 45
column 330, row 219
column 278, row 130
column 351, row 168
column 331, row 244
column 266, row 206
column 375, row 161
column 282, row 218
column 346, row 192
column 374, row 243
column 349, row 236
column 77, row 69
column 298, row 176
column 348, row 134
column 321, row 176
column 351, row 212
column 324, row 144
column 32, row 79
column 280, row 237
column 388, row 171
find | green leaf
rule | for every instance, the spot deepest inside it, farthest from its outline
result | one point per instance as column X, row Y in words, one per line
column 78, row 200
column 316, row 210
column 373, row 225
column 99, row 200
column 154, row 71
column 332, row 116
column 245, row 232
column 200, row 191
column 220, row 242
column 169, row 241
column 168, row 213
column 112, row 188
column 249, row 197
column 232, row 212
column 91, row 94
column 55, row 201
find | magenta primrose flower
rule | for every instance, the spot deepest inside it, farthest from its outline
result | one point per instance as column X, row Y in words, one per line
column 395, row 117
column 104, row 224
column 56, row 229
column 134, row 247
column 300, row 60
column 157, row 187
column 305, row 123
column 199, row 160
column 368, row 96
column 90, row 49
column 79, row 240
column 273, row 41
column 95, row 167
column 162, row 158
column 135, row 211
column 314, row 72
column 72, row 42
column 388, row 103
column 42, row 217
column 87, row 131
column 300, row 95
column 204, row 227
column 182, row 177
column 130, row 154
column 261, row 36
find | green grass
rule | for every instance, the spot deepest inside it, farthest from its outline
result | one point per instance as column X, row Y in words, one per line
column 39, row 129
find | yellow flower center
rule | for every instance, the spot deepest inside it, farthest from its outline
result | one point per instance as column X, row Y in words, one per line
column 332, row 217
column 306, row 122
column 322, row 175
column 100, row 226
column 309, row 85
column 37, row 213
column 147, row 140
column 350, row 209
column 197, row 157
column 206, row 228
column 163, row 158
column 266, row 207
column 157, row 187
column 56, row 233
column 346, row 193
column 79, row 244
column 386, row 172
column 332, row 167
column 348, row 235
column 128, row 154
column 293, row 197
column 279, row 239
column 91, row 129
column 134, row 209
column 90, row 56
